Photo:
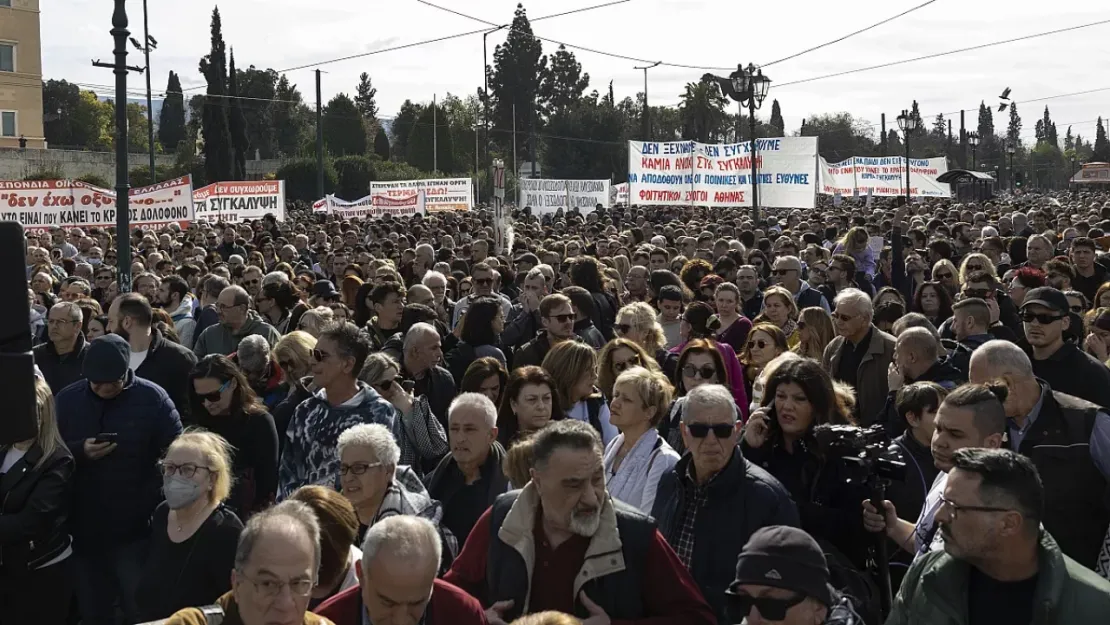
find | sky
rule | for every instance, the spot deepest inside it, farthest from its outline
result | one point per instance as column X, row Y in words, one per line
column 703, row 34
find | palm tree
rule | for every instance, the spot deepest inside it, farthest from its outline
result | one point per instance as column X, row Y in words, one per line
column 702, row 111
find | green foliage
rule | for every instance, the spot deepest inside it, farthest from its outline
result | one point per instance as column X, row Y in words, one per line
column 381, row 144
column 300, row 179
column 353, row 175
column 237, row 125
column 514, row 81
column 219, row 163
column 344, row 127
column 1013, row 129
column 364, row 100
column 290, row 118
column 46, row 173
column 138, row 138
column 777, row 122
column 420, row 147
column 75, row 119
column 842, row 136
column 388, row 171
column 703, row 112
column 563, row 84
column 1102, row 147
column 171, row 120
column 599, row 152
column 96, row 180
column 402, row 128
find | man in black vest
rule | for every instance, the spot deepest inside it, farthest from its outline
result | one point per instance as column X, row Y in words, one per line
column 564, row 531
column 1068, row 440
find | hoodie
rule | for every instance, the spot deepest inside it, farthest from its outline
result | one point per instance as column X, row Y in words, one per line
column 310, row 455
column 219, row 339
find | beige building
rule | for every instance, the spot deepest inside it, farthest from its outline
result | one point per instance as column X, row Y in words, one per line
column 20, row 74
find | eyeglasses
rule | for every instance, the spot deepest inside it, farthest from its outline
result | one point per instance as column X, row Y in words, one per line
column 1041, row 318
column 720, row 430
column 844, row 317
column 770, row 608
column 627, row 364
column 942, row 276
column 562, row 318
column 955, row 508
column 271, row 588
column 707, row 372
column 358, row 468
column 781, row 272
column 186, row 470
column 761, row 344
column 483, row 281
column 59, row 322
column 215, row 396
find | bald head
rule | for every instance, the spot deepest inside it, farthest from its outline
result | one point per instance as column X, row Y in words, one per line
column 996, row 359
column 916, row 352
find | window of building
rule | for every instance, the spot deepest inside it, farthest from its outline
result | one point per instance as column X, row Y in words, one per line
column 5, row 3
column 7, row 123
column 7, row 57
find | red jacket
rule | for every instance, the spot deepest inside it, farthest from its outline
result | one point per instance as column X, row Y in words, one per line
column 450, row 605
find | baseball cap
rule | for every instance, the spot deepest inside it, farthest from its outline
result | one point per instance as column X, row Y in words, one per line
column 1048, row 297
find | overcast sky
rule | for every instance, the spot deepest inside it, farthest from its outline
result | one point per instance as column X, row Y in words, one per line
column 282, row 34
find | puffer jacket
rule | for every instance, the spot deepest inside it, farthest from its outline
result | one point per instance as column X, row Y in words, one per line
column 218, row 339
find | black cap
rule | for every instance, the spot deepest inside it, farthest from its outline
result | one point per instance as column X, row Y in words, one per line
column 1048, row 297
column 107, row 359
column 784, row 557
column 324, row 288
column 527, row 258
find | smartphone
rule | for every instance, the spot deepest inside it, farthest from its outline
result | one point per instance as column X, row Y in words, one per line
column 408, row 386
column 106, row 437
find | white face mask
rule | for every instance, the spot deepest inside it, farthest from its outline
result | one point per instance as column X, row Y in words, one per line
column 180, row 492
column 95, row 262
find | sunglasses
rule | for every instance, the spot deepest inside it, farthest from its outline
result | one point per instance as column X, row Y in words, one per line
column 1041, row 318
column 628, row 364
column 943, row 276
column 215, row 396
column 1077, row 309
column 483, row 281
column 384, row 386
column 975, row 268
column 771, row 609
column 562, row 318
column 320, row 356
column 707, row 372
column 761, row 344
column 781, row 272
column 720, row 430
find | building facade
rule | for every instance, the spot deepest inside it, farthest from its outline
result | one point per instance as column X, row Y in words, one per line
column 20, row 74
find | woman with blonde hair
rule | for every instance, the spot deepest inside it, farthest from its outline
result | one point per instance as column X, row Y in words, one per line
column 618, row 356
column 765, row 342
column 35, row 571
column 856, row 244
column 549, row 617
column 780, row 309
column 815, row 332
column 639, row 323
column 293, row 353
column 946, row 274
column 314, row 320
column 636, row 459
column 976, row 262
column 573, row 369
column 194, row 536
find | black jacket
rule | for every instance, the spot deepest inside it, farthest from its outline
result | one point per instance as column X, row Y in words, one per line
column 1071, row 370
column 740, row 500
column 533, row 352
column 446, row 480
column 35, row 506
column 942, row 372
column 521, row 329
column 605, row 314
column 283, row 412
column 168, row 365
column 589, row 334
column 61, row 371
column 438, row 385
column 753, row 306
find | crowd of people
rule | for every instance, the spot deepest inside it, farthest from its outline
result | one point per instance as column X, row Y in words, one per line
column 629, row 415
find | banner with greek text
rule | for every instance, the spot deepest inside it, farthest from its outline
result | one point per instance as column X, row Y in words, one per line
column 233, row 202
column 699, row 174
column 619, row 194
column 885, row 176
column 396, row 202
column 455, row 194
column 43, row 204
column 548, row 196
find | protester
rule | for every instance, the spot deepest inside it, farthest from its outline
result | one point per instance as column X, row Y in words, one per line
column 62, row 356
column 153, row 358
column 1063, row 365
column 573, row 370
column 861, row 353
column 293, row 353
column 486, row 376
column 236, row 321
column 530, row 403
column 557, row 320
column 339, row 556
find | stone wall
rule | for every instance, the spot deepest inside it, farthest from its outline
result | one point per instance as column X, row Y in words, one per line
column 17, row 164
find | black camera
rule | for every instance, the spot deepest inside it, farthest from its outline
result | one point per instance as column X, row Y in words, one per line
column 867, row 449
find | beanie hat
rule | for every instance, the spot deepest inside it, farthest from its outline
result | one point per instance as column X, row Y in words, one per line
column 108, row 359
column 784, row 557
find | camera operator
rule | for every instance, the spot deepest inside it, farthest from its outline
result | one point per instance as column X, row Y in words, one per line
column 970, row 416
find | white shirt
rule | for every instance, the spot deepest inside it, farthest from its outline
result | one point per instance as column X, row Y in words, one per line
column 138, row 358
column 11, row 458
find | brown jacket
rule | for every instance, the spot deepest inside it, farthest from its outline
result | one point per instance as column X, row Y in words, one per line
column 193, row 616
column 871, row 387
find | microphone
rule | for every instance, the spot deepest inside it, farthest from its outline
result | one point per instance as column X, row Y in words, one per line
column 17, row 364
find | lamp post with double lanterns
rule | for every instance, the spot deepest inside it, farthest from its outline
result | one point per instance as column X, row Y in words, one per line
column 1011, row 149
column 907, row 123
column 748, row 86
column 973, row 141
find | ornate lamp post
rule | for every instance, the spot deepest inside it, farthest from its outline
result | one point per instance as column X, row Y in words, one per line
column 908, row 125
column 1011, row 149
column 749, row 87
column 973, row 141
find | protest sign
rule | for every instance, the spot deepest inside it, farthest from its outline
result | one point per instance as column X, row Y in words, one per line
column 43, row 204
column 548, row 196
column 885, row 176
column 700, row 174
column 1093, row 173
column 619, row 194
column 439, row 194
column 396, row 202
column 233, row 202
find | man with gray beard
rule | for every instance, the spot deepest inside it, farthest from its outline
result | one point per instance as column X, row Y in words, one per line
column 587, row 553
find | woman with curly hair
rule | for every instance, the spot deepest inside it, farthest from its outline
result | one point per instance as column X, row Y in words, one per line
column 693, row 272
column 780, row 309
column 618, row 356
column 638, row 323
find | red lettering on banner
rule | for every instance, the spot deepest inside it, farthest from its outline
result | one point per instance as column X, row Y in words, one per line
column 704, row 163
column 728, row 197
column 658, row 164
column 684, row 162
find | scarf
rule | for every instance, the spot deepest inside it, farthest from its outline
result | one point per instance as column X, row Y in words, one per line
column 630, row 480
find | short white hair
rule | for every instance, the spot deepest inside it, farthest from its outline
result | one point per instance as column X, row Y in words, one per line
column 253, row 353
column 1004, row 357
column 276, row 277
column 476, row 401
column 425, row 248
column 375, row 437
column 417, row 334
column 433, row 275
column 858, row 298
column 709, row 397
column 406, row 537
column 73, row 310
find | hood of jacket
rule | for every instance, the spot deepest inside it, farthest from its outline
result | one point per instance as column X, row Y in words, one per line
column 185, row 309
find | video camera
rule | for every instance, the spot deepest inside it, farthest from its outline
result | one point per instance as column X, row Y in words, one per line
column 867, row 451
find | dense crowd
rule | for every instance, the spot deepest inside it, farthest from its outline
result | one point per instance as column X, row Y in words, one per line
column 631, row 415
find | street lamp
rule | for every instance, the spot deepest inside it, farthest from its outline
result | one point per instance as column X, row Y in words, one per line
column 973, row 141
column 748, row 86
column 485, row 105
column 647, row 111
column 907, row 124
column 1011, row 149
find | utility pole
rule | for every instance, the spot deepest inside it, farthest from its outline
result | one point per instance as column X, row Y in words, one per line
column 647, row 109
column 319, row 140
column 435, row 136
column 123, row 185
column 532, row 135
column 516, row 163
column 149, row 44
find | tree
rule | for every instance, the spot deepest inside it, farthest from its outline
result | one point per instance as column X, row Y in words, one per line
column 563, row 83
column 776, row 119
column 344, row 128
column 258, row 103
column 237, row 125
column 703, row 112
column 1069, row 141
column 214, row 126
column 353, row 175
column 1013, row 130
column 1102, row 146
column 986, row 122
column 514, row 83
column 171, row 121
column 893, row 143
column 364, row 100
column 586, row 141
column 381, row 144
column 137, row 136
column 290, row 118
column 843, row 136
column 420, row 142
column 75, row 119
column 915, row 113
column 402, row 129
column 462, row 115
column 300, row 179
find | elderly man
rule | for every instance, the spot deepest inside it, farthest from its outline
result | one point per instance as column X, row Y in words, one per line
column 484, row 278
column 252, row 281
column 117, row 426
column 1067, row 438
column 397, row 581
column 146, row 284
column 787, row 271
column 861, row 355
column 998, row 564
column 437, row 283
column 917, row 358
column 1038, row 250
column 61, row 357
column 153, row 358
column 1068, row 369
column 420, row 294
column 265, row 377
column 423, row 352
column 587, row 554
column 276, row 565
column 636, row 284
column 74, row 289
column 470, row 479
column 228, row 247
column 236, row 321
column 713, row 499
column 526, row 314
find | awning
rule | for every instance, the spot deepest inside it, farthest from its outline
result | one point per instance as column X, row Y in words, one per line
column 964, row 176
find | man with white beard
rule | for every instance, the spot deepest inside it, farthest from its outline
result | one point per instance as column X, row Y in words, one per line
column 541, row 547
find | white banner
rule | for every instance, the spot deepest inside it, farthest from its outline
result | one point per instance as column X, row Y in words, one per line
column 687, row 172
column 885, row 176
column 548, row 196
column 233, row 202
column 455, row 194
column 619, row 194
column 43, row 204
column 396, row 202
